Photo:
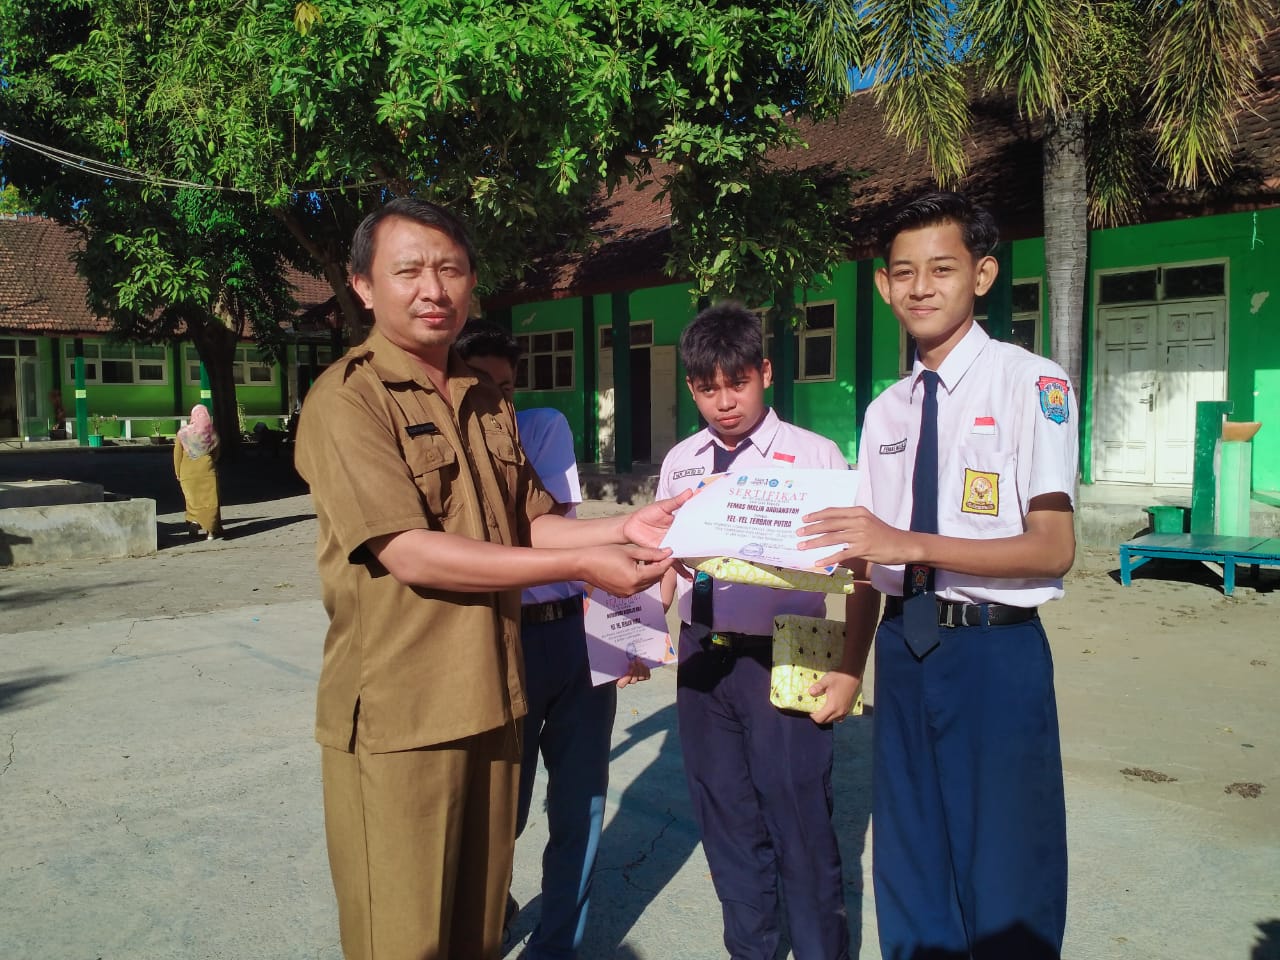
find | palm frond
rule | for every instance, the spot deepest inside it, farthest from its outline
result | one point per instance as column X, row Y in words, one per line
column 1118, row 150
column 918, row 82
column 840, row 40
column 1029, row 44
column 1205, row 55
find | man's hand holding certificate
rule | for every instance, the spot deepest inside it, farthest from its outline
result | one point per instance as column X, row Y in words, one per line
column 755, row 514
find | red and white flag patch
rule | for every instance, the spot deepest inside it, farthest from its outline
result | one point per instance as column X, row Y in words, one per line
column 784, row 457
column 985, row 426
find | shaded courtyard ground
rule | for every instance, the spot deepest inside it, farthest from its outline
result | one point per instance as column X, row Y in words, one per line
column 161, row 795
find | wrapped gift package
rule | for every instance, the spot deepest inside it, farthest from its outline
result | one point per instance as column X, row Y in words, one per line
column 736, row 570
column 804, row 648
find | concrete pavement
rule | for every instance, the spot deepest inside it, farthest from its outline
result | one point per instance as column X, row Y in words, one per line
column 160, row 788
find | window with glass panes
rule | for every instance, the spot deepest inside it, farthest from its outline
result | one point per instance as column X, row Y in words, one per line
column 547, row 361
column 17, row 348
column 247, row 367
column 119, row 363
column 815, row 342
column 1026, row 324
column 1197, row 281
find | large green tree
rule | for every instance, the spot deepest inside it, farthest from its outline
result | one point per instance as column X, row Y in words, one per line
column 1131, row 93
column 518, row 113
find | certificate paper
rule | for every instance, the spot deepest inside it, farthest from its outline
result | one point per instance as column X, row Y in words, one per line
column 622, row 629
column 754, row 514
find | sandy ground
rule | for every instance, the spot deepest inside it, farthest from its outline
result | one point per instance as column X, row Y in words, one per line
column 1166, row 689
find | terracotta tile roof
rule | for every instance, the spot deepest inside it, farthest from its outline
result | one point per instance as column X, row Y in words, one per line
column 40, row 291
column 1005, row 166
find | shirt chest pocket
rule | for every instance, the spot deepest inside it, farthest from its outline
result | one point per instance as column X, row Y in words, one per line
column 434, row 465
column 978, row 494
column 506, row 464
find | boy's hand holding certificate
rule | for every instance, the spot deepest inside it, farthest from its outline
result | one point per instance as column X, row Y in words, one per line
column 755, row 513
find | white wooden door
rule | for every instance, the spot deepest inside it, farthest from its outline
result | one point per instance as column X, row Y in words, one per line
column 604, row 404
column 663, row 397
column 1126, row 384
column 1192, row 340
column 1154, row 364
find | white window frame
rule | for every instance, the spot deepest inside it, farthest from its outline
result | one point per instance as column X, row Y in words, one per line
column 524, row 370
column 246, row 359
column 803, row 334
column 1036, row 317
column 1160, row 268
column 93, row 361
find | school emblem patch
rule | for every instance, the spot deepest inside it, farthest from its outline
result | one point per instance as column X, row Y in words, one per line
column 981, row 493
column 1053, row 398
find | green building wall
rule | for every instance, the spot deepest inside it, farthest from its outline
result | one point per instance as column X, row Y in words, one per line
column 1250, row 243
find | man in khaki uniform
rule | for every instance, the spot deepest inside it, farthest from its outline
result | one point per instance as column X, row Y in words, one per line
column 424, row 498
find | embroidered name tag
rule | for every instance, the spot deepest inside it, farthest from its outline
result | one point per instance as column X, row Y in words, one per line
column 886, row 448
column 691, row 472
column 421, row 429
column 981, row 493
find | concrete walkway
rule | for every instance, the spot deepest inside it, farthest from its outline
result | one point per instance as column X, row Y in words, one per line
column 161, row 799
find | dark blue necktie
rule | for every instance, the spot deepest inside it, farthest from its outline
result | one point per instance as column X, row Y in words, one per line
column 701, row 608
column 920, row 611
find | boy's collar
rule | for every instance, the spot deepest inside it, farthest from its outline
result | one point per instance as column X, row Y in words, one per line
column 958, row 362
column 761, row 435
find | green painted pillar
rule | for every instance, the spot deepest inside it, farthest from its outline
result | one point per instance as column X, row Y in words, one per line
column 175, row 365
column 1204, row 482
column 784, row 356
column 621, row 325
column 1000, row 296
column 206, row 392
column 863, row 340
column 82, row 395
column 590, row 382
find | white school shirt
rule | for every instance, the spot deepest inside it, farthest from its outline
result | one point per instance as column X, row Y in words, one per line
column 1007, row 432
column 743, row 608
column 548, row 443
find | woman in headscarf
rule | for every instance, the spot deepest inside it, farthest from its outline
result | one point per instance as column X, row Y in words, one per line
column 195, row 452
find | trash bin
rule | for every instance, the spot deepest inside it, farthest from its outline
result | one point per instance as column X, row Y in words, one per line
column 1167, row 519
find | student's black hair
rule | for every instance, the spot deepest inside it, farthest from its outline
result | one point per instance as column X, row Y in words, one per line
column 930, row 209
column 724, row 337
column 484, row 338
column 409, row 208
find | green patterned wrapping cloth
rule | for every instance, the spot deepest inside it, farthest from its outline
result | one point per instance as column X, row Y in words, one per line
column 735, row 570
column 804, row 648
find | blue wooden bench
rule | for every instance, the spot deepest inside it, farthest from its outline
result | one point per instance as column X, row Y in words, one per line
column 1226, row 551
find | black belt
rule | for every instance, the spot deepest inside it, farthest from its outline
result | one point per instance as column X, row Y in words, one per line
column 551, row 611
column 952, row 613
column 725, row 641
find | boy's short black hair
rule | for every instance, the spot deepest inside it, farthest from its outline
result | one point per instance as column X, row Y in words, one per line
column 726, row 338
column 409, row 208
column 930, row 209
column 484, row 338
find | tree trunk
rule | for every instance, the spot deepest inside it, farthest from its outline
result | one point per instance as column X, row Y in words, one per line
column 216, row 346
column 1066, row 239
column 354, row 316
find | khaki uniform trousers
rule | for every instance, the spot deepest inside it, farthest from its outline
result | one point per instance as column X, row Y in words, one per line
column 421, row 844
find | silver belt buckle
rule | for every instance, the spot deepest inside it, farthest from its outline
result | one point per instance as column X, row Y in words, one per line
column 948, row 619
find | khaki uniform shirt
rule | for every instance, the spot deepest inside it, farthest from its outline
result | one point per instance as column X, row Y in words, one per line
column 383, row 452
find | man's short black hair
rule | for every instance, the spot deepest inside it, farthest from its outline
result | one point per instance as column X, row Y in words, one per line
column 725, row 337
column 410, row 208
column 937, row 207
column 484, row 338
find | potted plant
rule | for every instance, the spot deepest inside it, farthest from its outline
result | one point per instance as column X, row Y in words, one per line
column 95, row 428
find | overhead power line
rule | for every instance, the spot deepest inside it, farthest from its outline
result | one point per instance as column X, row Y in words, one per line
column 113, row 171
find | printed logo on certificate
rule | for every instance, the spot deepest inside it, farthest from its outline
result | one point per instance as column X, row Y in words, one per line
column 622, row 629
